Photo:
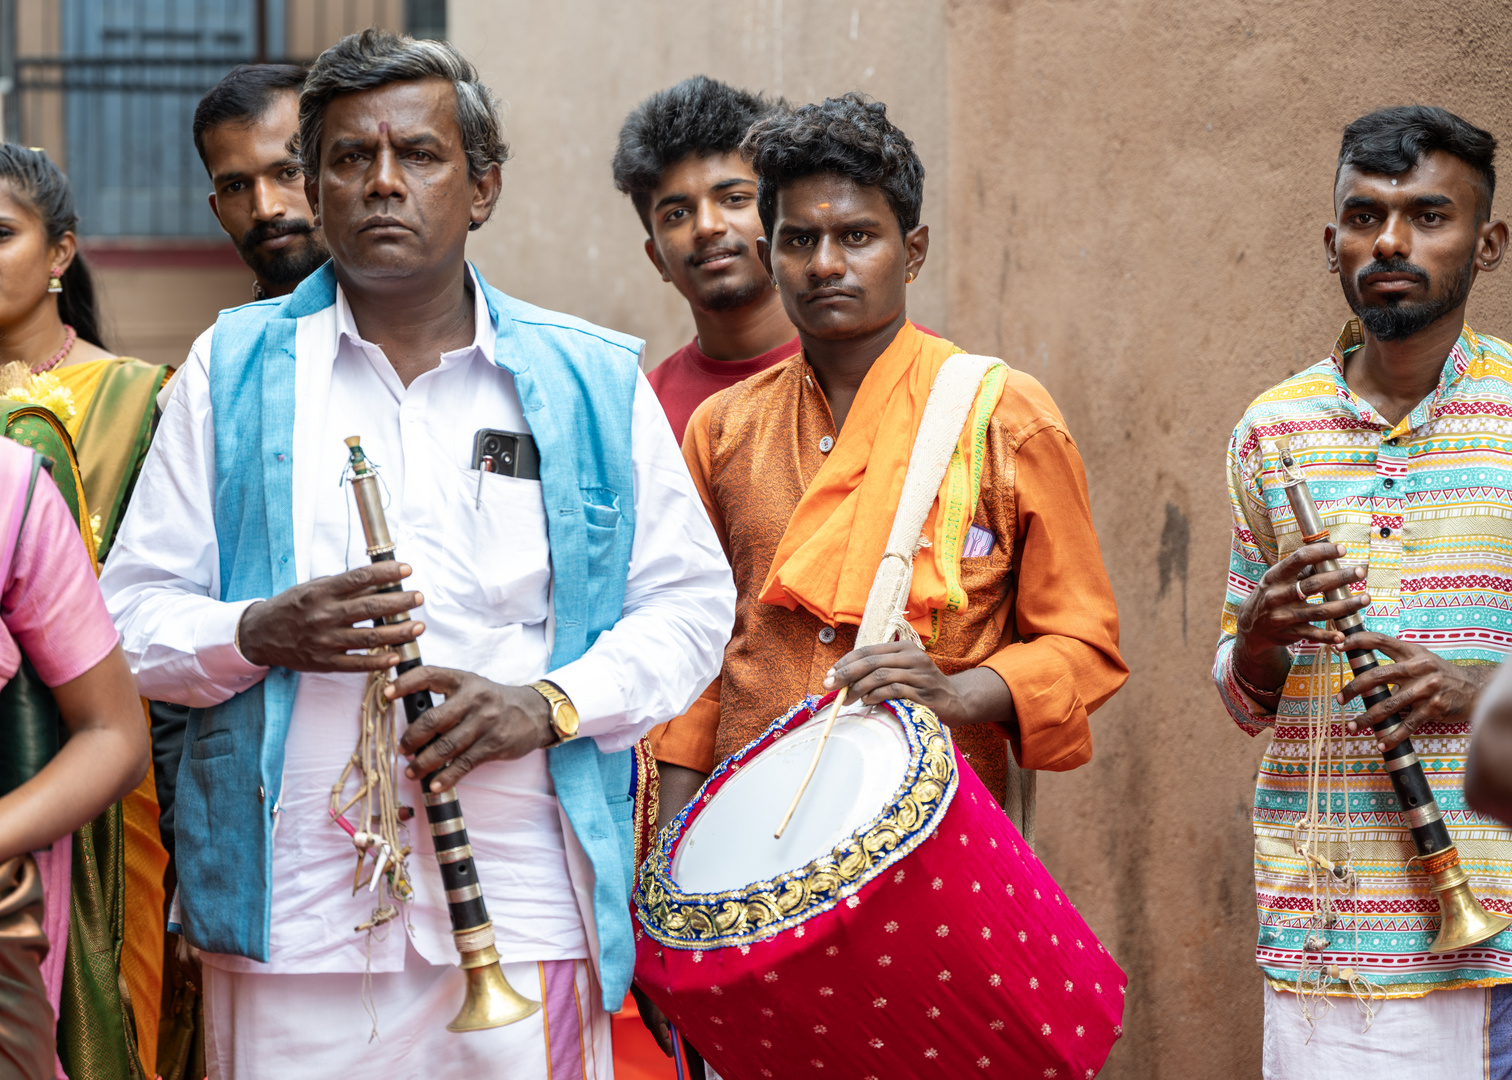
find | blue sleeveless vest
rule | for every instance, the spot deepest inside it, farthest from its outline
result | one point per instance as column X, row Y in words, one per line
column 576, row 384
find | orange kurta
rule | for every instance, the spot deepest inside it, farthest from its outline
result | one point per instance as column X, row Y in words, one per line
column 1039, row 611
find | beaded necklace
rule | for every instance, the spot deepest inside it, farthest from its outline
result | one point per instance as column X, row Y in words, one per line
column 69, row 337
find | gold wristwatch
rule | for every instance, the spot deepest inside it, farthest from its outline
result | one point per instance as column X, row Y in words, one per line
column 564, row 718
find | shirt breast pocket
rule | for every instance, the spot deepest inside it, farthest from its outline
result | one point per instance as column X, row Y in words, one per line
column 506, row 554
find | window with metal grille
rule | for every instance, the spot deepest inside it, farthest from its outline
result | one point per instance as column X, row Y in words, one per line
column 109, row 87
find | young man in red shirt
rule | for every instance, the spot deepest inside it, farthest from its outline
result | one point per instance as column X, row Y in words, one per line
column 679, row 163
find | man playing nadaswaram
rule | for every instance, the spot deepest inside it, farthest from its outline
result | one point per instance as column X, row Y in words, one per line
column 1403, row 434
column 565, row 607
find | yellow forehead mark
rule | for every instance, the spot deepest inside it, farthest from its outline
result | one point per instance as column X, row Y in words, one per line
column 824, row 206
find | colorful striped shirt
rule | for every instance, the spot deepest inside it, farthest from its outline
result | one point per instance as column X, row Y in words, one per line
column 1426, row 506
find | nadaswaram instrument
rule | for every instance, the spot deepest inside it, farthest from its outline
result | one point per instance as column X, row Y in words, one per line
column 490, row 1001
column 1464, row 922
column 900, row 927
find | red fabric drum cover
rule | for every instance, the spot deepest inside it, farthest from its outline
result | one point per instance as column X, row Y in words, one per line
column 929, row 942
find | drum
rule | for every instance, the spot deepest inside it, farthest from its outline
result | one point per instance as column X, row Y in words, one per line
column 900, row 927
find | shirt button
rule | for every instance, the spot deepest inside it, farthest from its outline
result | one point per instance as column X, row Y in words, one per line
column 825, row 445
column 1389, row 482
column 1385, row 531
column 827, row 634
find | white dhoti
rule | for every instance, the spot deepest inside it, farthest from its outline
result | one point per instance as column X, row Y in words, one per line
column 280, row 1027
column 1443, row 1035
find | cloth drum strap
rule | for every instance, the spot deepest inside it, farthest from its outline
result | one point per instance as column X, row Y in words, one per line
column 945, row 413
column 950, row 399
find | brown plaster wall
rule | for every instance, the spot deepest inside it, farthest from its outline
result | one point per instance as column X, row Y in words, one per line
column 313, row 25
column 1138, row 193
column 569, row 72
column 155, row 312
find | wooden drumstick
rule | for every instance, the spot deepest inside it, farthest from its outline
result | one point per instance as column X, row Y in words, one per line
column 818, row 750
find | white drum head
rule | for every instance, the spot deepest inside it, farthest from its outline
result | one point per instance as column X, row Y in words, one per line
column 730, row 844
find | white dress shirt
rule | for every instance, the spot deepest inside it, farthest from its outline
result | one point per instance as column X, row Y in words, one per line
column 482, row 561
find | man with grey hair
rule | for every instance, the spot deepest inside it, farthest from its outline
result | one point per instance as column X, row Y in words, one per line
column 560, row 567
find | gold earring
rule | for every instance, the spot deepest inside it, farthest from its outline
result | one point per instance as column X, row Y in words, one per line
column 909, row 279
column 55, row 282
column 775, row 286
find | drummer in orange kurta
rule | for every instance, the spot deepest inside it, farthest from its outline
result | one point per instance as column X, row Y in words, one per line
column 802, row 465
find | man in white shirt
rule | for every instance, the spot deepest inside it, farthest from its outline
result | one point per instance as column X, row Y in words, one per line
column 240, row 577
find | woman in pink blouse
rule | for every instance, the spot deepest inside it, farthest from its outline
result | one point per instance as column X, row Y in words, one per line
column 51, row 610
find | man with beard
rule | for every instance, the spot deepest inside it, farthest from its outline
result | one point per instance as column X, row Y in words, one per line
column 1403, row 432
column 245, row 129
column 678, row 161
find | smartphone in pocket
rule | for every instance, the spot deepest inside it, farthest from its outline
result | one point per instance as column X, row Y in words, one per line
column 508, row 453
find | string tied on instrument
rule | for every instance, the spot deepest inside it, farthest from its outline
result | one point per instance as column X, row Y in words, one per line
column 1332, row 880
column 380, row 832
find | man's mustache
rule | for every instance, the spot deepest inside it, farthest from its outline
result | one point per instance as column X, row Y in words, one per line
column 840, row 286
column 268, row 230
column 1392, row 266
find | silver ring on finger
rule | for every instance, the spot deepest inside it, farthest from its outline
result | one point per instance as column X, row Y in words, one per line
column 1302, row 596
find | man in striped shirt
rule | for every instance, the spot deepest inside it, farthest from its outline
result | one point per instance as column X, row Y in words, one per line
column 1405, row 433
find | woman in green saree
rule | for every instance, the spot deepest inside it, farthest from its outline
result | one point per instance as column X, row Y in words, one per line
column 49, row 322
column 55, row 633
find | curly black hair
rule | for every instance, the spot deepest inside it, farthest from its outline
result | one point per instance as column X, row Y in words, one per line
column 1392, row 141
column 850, row 136
column 697, row 116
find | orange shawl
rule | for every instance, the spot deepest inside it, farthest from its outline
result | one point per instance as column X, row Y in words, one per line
column 837, row 535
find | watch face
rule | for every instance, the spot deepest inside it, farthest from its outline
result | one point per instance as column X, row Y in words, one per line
column 565, row 717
